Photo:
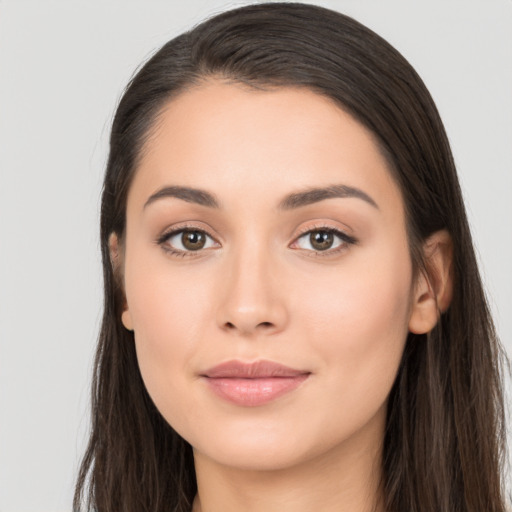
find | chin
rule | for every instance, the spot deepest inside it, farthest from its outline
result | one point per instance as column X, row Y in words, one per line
column 254, row 456
column 273, row 444
column 264, row 445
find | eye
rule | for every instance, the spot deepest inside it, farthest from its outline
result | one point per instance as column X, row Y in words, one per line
column 187, row 240
column 323, row 239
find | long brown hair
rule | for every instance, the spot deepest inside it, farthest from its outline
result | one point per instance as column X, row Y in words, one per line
column 444, row 446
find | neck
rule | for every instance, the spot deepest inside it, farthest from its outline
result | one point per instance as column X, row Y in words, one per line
column 347, row 479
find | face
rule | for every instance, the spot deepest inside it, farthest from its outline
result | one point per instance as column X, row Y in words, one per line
column 267, row 275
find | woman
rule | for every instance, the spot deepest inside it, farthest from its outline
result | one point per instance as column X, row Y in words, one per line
column 293, row 313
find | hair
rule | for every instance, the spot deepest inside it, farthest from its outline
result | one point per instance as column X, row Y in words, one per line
column 444, row 444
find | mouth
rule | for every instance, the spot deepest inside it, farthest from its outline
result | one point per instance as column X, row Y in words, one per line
column 253, row 384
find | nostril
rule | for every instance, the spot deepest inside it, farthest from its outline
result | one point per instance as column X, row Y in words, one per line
column 230, row 326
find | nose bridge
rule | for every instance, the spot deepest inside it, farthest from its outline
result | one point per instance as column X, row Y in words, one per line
column 252, row 301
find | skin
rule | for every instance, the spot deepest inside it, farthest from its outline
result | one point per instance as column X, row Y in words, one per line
column 260, row 290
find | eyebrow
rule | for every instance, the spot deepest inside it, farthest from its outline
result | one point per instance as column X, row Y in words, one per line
column 290, row 202
column 314, row 195
column 188, row 194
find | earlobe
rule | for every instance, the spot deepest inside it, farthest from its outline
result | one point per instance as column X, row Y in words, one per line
column 126, row 318
column 434, row 289
column 115, row 260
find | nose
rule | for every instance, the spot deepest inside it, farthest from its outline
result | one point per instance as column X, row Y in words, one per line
column 253, row 298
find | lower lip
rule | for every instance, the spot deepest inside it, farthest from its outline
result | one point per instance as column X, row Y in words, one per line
column 254, row 392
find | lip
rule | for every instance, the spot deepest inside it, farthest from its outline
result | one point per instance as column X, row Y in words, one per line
column 253, row 384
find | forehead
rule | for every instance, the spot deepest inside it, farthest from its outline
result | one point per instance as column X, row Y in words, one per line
column 239, row 141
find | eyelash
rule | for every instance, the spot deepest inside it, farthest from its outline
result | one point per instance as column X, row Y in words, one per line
column 346, row 240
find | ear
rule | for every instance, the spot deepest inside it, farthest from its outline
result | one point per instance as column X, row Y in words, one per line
column 117, row 265
column 433, row 289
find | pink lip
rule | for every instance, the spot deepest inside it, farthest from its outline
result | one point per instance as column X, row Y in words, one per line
column 252, row 384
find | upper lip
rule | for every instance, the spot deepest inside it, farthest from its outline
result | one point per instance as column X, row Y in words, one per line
column 255, row 370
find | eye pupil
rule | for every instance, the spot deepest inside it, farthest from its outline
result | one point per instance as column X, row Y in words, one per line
column 193, row 240
column 321, row 240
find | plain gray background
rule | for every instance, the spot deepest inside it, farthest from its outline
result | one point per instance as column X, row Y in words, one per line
column 63, row 66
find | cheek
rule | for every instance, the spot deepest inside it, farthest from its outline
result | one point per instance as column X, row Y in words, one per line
column 169, row 311
column 358, row 320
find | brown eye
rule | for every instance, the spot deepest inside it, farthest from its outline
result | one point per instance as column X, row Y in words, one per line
column 321, row 240
column 188, row 240
column 193, row 240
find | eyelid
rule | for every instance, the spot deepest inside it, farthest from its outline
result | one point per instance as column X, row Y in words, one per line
column 323, row 226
